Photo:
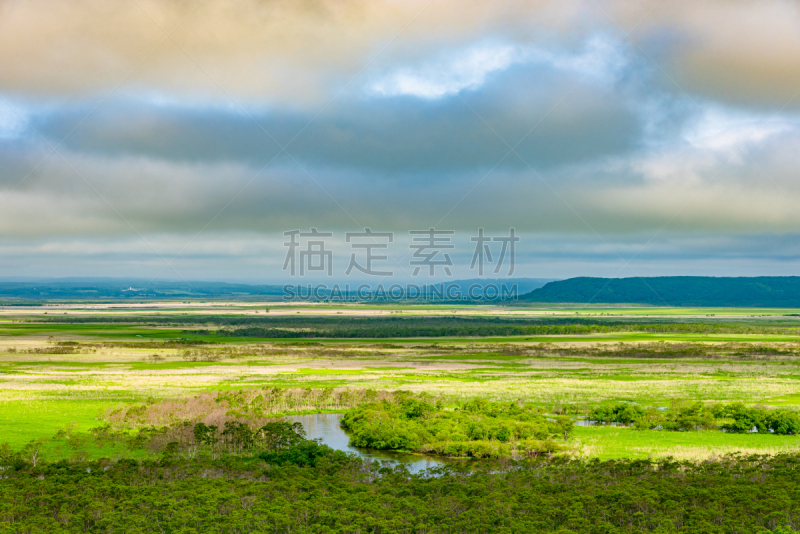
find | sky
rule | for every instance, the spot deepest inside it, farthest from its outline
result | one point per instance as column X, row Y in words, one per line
column 180, row 139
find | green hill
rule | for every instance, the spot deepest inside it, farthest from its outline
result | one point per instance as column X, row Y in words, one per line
column 762, row 291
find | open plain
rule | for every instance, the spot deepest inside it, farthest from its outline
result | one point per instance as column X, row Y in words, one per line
column 67, row 367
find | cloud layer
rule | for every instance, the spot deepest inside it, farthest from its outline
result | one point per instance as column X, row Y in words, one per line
column 166, row 121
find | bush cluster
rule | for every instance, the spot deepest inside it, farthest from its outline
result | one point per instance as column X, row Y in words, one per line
column 477, row 428
column 683, row 417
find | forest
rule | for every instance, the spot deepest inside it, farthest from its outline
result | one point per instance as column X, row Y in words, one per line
column 772, row 291
column 402, row 327
column 343, row 494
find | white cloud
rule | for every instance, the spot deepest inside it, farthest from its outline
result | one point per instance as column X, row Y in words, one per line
column 11, row 124
column 449, row 75
column 723, row 129
column 716, row 143
column 599, row 61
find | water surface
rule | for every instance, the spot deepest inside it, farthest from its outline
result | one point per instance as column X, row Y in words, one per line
column 325, row 426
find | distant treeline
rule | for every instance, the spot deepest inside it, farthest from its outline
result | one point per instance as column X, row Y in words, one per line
column 408, row 331
column 764, row 291
column 479, row 327
column 282, row 326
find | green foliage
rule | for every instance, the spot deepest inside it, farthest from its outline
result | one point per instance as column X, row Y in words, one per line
column 477, row 428
column 276, row 442
column 205, row 434
column 235, row 438
column 747, row 418
column 620, row 412
column 684, row 417
column 281, row 435
column 745, row 495
column 680, row 417
column 304, row 453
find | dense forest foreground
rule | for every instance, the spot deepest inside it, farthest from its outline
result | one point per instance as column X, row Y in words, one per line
column 343, row 494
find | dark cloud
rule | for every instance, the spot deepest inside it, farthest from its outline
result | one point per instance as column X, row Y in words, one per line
column 557, row 118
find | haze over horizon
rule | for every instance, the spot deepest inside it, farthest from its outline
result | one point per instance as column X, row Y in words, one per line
column 181, row 139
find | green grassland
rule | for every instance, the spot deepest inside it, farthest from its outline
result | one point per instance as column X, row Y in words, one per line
column 610, row 442
column 58, row 375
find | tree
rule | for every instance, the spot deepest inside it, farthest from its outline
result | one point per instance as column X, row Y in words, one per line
column 33, row 451
column 281, row 435
column 238, row 436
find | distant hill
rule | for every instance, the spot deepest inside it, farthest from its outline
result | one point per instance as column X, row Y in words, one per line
column 762, row 291
column 524, row 285
column 122, row 288
column 35, row 290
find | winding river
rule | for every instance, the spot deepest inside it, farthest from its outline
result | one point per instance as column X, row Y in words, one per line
column 325, row 426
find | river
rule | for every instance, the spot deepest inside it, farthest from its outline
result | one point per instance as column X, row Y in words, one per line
column 325, row 426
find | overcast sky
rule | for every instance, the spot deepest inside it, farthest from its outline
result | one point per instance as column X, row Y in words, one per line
column 182, row 138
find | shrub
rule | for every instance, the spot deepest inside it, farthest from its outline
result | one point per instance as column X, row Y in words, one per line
column 477, row 428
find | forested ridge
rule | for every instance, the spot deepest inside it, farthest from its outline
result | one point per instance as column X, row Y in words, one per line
column 762, row 291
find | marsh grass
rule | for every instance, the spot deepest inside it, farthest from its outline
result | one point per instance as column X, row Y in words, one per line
column 47, row 384
column 607, row 442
